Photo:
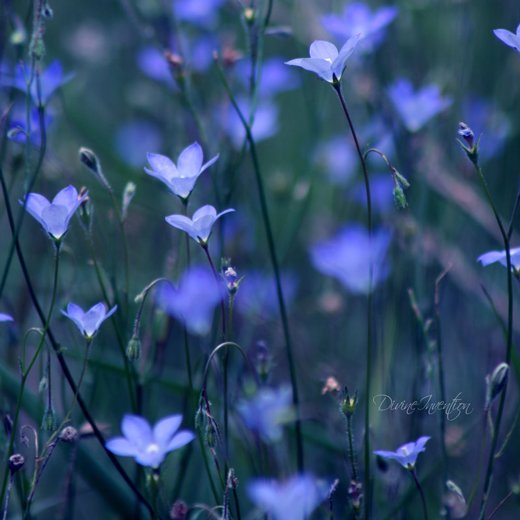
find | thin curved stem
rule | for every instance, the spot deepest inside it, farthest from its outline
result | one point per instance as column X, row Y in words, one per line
column 421, row 492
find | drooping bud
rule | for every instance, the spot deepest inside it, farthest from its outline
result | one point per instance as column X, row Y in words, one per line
column 495, row 383
column 16, row 462
column 69, row 434
column 90, row 160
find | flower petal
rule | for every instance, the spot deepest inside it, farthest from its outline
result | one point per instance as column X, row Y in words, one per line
column 183, row 223
column 190, row 161
column 320, row 67
column 165, row 429
column 137, row 430
column 181, row 439
column 121, row 446
column 161, row 165
column 35, row 204
column 67, row 197
column 55, row 219
column 323, row 50
column 508, row 38
column 205, row 211
column 209, row 163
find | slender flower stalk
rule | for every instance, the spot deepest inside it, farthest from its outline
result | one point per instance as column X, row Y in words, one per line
column 274, row 262
column 421, row 492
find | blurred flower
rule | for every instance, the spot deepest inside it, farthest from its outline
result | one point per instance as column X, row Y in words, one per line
column 357, row 18
column 407, row 454
column 134, row 139
column 295, row 498
column 193, row 301
column 267, row 412
column 338, row 158
column 265, row 123
column 5, row 317
column 200, row 225
column 381, row 187
column 88, row 322
column 148, row 446
column 204, row 14
column 51, row 79
column 274, row 77
column 500, row 256
column 180, row 178
column 417, row 108
column 348, row 255
column 18, row 126
column 509, row 38
column 257, row 295
column 153, row 64
column 325, row 61
column 55, row 216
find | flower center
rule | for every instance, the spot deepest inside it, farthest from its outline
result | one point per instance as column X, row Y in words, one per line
column 152, row 448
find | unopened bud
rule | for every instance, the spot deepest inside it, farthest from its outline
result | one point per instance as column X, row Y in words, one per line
column 49, row 420
column 69, row 434
column 16, row 462
column 128, row 195
column 179, row 510
column 89, row 159
column 133, row 349
column 496, row 382
column 468, row 143
column 249, row 15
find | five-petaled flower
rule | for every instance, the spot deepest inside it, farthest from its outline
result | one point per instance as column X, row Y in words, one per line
column 406, row 454
column 500, row 256
column 54, row 216
column 295, row 498
column 88, row 322
column 149, row 446
column 199, row 226
column 509, row 38
column 325, row 60
column 181, row 177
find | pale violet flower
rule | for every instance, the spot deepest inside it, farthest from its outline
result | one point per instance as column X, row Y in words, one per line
column 406, row 454
column 295, row 498
column 5, row 317
column 193, row 301
column 200, row 225
column 509, row 38
column 54, row 216
column 181, row 177
column 325, row 60
column 267, row 412
column 500, row 256
column 149, row 446
column 88, row 322
column 416, row 108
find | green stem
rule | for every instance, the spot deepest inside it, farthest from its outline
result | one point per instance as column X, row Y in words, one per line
column 421, row 492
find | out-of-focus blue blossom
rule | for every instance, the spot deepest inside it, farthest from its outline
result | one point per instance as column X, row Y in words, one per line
column 193, row 301
column 381, row 191
column 274, row 77
column 153, row 64
column 257, row 294
column 51, row 79
column 348, row 255
column 267, row 412
column 54, row 216
column 500, row 256
column 416, row 108
column 265, row 124
column 295, row 498
column 134, row 139
column 17, row 128
column 325, row 60
column 5, row 317
column 358, row 18
column 88, row 322
column 180, row 178
column 338, row 159
column 198, row 227
column 407, row 454
column 202, row 13
column 149, row 446
column 509, row 38
column 489, row 124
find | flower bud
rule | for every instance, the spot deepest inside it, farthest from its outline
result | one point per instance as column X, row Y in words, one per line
column 470, row 146
column 496, row 382
column 179, row 510
column 69, row 434
column 249, row 15
column 355, row 494
column 16, row 462
column 89, row 159
column 133, row 349
column 49, row 420
column 128, row 196
column 348, row 404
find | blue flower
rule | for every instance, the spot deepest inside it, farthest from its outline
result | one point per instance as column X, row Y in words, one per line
column 267, row 412
column 88, row 322
column 407, row 454
column 500, row 256
column 509, row 38
column 200, row 225
column 295, row 498
column 134, row 139
column 180, row 178
column 348, row 255
column 193, row 301
column 5, row 317
column 417, row 108
column 149, row 446
column 325, row 60
column 17, row 127
column 54, row 216
column 198, row 13
column 358, row 18
column 152, row 62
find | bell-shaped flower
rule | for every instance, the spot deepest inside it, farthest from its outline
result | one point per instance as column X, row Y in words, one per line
column 5, row 317
column 54, row 216
column 509, row 38
column 180, row 178
column 295, row 498
column 325, row 60
column 193, row 301
column 406, row 454
column 200, row 225
column 500, row 256
column 149, row 446
column 88, row 322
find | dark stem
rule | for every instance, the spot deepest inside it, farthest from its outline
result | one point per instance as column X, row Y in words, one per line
column 421, row 492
